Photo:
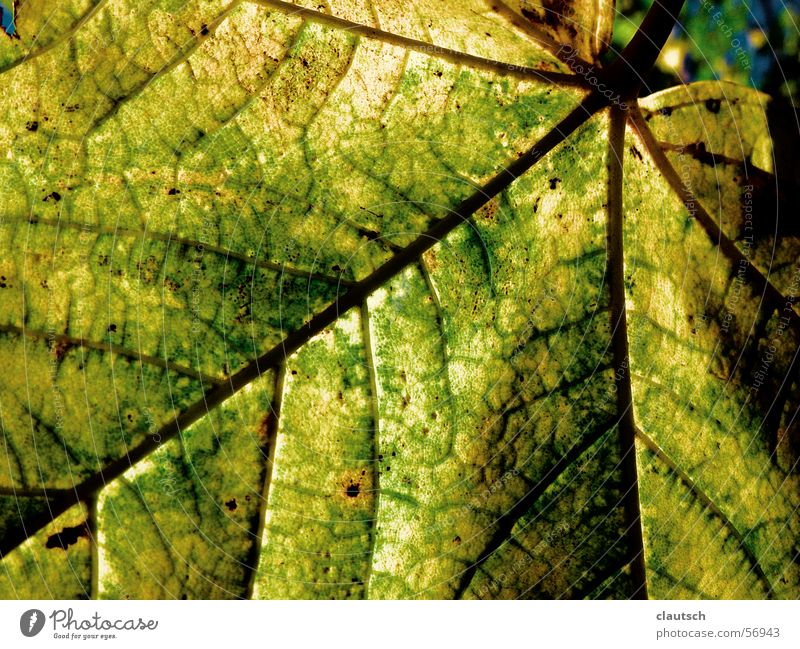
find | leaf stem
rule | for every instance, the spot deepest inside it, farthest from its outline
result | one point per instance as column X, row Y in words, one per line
column 619, row 343
column 318, row 323
column 627, row 73
column 372, row 370
column 271, row 423
column 91, row 527
column 430, row 49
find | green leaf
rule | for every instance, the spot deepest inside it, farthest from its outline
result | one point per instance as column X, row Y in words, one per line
column 382, row 301
column 582, row 25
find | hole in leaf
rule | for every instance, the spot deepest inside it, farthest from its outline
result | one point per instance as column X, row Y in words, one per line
column 67, row 537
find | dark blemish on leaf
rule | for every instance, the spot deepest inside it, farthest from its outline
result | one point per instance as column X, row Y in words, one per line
column 635, row 153
column 66, row 537
column 60, row 350
column 352, row 490
column 698, row 151
column 171, row 285
column 112, row 328
column 54, row 195
column 554, row 182
column 457, row 540
column 713, row 105
column 204, row 29
column 173, row 191
column 666, row 111
column 264, row 427
column 231, row 505
column 32, row 126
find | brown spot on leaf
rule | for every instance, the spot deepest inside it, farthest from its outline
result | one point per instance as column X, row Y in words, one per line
column 60, row 350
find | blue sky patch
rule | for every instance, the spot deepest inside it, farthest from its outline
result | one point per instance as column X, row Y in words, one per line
column 7, row 17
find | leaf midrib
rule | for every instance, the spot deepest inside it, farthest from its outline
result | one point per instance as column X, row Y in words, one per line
column 293, row 341
column 414, row 251
column 429, row 48
column 619, row 344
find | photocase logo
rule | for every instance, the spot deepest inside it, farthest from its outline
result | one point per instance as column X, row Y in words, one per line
column 31, row 622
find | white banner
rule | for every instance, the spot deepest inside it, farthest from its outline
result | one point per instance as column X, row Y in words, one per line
column 404, row 625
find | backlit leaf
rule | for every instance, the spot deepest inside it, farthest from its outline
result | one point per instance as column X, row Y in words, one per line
column 370, row 300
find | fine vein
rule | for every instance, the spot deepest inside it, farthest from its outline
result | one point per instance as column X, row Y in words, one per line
column 352, row 298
